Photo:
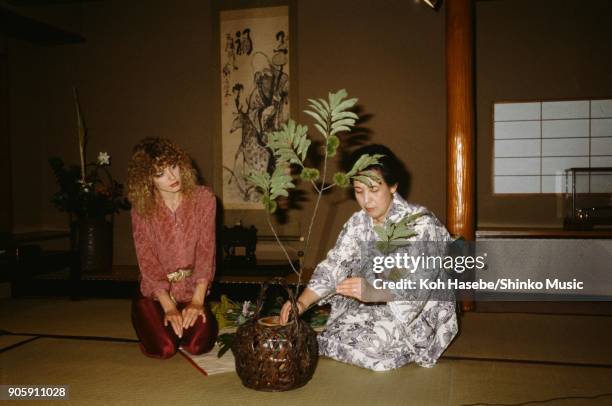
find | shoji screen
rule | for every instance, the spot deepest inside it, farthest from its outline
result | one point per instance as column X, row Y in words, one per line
column 535, row 142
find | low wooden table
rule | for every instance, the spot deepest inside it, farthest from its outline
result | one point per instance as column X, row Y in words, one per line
column 247, row 284
column 25, row 259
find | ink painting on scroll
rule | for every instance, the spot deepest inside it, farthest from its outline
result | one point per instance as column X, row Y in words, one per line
column 254, row 47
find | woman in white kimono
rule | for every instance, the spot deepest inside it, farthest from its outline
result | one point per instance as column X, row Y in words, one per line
column 380, row 329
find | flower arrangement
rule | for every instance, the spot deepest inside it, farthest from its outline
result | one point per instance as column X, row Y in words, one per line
column 87, row 190
column 96, row 194
column 275, row 357
column 290, row 147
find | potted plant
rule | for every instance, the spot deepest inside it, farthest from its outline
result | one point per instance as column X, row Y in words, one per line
column 270, row 356
column 90, row 196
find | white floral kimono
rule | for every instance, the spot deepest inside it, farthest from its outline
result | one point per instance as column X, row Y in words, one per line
column 384, row 336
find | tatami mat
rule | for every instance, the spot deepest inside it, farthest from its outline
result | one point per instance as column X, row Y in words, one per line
column 488, row 383
column 115, row 373
column 335, row 383
column 7, row 341
column 102, row 373
column 539, row 337
column 499, row 358
column 542, row 337
column 89, row 317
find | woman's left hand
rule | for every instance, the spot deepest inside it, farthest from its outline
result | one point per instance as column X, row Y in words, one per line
column 191, row 312
column 353, row 287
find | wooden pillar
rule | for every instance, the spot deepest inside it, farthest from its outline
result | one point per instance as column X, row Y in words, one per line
column 460, row 118
column 460, row 177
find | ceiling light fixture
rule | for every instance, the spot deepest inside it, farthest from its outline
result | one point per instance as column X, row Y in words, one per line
column 435, row 4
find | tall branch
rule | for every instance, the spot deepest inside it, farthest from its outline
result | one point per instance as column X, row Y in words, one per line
column 319, row 195
column 282, row 246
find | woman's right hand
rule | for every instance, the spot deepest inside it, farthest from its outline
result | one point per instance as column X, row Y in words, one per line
column 306, row 299
column 286, row 311
column 173, row 316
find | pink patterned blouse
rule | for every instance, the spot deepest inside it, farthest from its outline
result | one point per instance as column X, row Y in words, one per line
column 167, row 242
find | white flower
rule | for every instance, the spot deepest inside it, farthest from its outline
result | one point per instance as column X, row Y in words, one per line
column 85, row 186
column 103, row 158
column 245, row 308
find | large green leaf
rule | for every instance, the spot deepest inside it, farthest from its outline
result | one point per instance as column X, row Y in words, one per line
column 325, row 105
column 345, row 105
column 260, row 179
column 343, row 115
column 381, row 231
column 335, row 98
column 364, row 179
column 321, row 129
column 368, row 178
column 396, row 234
column 339, row 129
column 411, row 218
column 290, row 144
column 321, row 120
column 347, row 122
column 363, row 162
column 280, row 182
column 315, row 104
column 331, row 115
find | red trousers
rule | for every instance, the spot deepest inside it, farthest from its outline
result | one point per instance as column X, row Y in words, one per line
column 159, row 341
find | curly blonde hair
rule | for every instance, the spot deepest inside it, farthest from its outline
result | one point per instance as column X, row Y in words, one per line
column 151, row 156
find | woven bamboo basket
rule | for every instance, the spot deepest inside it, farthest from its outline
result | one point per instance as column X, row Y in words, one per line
column 272, row 357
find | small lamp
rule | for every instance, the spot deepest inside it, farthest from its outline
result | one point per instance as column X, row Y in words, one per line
column 435, row 4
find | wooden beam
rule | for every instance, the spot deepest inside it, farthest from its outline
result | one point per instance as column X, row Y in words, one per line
column 460, row 207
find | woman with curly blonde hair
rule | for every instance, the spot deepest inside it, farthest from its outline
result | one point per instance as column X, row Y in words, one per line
column 173, row 224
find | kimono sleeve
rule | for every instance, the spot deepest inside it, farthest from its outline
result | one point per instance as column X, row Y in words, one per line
column 341, row 261
column 204, row 269
column 153, row 278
